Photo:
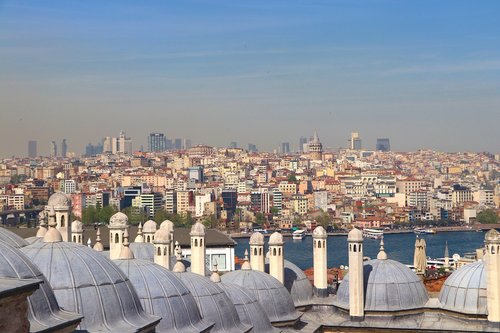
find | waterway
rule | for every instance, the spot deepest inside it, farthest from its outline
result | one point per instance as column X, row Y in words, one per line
column 399, row 247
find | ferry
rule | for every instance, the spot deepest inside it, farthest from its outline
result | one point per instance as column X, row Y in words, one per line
column 299, row 234
column 423, row 231
column 373, row 233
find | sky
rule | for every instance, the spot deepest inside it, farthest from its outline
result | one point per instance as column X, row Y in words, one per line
column 425, row 74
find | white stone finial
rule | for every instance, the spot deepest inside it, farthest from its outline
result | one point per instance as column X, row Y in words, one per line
column 246, row 265
column 125, row 252
column 89, row 243
column 215, row 277
column 98, row 245
column 179, row 266
column 381, row 254
column 139, row 238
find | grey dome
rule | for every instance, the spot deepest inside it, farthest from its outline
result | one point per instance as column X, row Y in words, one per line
column 144, row 251
column 249, row 309
column 86, row 282
column 271, row 294
column 389, row 286
column 43, row 311
column 213, row 303
column 164, row 295
column 11, row 238
column 297, row 284
column 465, row 290
column 59, row 199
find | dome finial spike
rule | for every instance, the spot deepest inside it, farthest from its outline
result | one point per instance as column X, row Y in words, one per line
column 215, row 277
column 381, row 254
column 179, row 266
column 98, row 245
column 126, row 252
column 246, row 264
column 89, row 243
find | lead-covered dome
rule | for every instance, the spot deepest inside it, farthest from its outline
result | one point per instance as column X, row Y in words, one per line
column 144, row 251
column 164, row 295
column 11, row 238
column 213, row 303
column 149, row 227
column 271, row 294
column 389, row 286
column 465, row 290
column 43, row 311
column 59, row 199
column 86, row 282
column 118, row 220
column 249, row 309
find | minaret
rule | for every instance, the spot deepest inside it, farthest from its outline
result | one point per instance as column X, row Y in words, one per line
column 162, row 248
column 276, row 260
column 118, row 224
column 148, row 230
column 198, row 249
column 77, row 232
column 167, row 224
column 446, row 256
column 492, row 262
column 257, row 256
column 356, row 284
column 139, row 238
column 98, row 245
column 320, row 262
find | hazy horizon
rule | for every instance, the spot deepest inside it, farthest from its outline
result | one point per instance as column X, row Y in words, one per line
column 423, row 74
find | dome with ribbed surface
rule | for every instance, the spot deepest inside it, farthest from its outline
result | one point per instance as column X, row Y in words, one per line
column 297, row 284
column 249, row 309
column 389, row 286
column 118, row 220
column 43, row 311
column 149, row 227
column 271, row 294
column 59, row 199
column 257, row 239
column 164, row 295
column 214, row 304
column 276, row 239
column 11, row 238
column 465, row 290
column 78, row 274
column 144, row 251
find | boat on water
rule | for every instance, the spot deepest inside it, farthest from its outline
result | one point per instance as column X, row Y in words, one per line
column 373, row 233
column 424, row 231
column 299, row 234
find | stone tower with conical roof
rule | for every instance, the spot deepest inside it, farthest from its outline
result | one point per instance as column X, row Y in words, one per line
column 356, row 282
column 315, row 148
column 492, row 262
column 320, row 262
column 257, row 256
column 276, row 260
column 118, row 224
column 198, row 249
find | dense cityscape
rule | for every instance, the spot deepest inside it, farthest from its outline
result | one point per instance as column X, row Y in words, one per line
column 235, row 189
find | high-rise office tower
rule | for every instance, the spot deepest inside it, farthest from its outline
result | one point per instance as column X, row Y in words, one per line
column 32, row 149
column 302, row 142
column 178, row 144
column 124, row 144
column 233, row 144
column 285, row 148
column 252, row 148
column 187, row 144
column 156, row 142
column 355, row 141
column 64, row 148
column 383, row 144
column 53, row 149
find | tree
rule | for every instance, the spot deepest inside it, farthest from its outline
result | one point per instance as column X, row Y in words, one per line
column 488, row 216
column 274, row 211
column 260, row 218
column 89, row 215
column 161, row 215
column 210, row 221
column 292, row 178
column 323, row 219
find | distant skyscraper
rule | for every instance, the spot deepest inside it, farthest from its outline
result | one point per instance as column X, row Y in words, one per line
column 64, row 148
column 178, row 144
column 383, row 144
column 32, row 149
column 156, row 142
column 315, row 148
column 124, row 144
column 187, row 144
column 355, row 141
column 53, row 149
column 285, row 148
column 252, row 148
column 233, row 144
column 302, row 142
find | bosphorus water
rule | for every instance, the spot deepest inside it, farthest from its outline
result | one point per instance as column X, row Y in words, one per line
column 399, row 247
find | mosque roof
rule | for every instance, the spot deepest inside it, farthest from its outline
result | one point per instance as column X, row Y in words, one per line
column 78, row 274
column 163, row 294
column 43, row 311
column 11, row 238
column 465, row 290
column 271, row 294
column 389, row 286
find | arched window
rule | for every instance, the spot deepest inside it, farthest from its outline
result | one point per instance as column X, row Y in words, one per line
column 74, row 238
column 195, row 242
column 319, row 244
column 279, row 251
column 324, row 243
column 274, row 251
column 201, row 242
column 492, row 250
column 159, row 251
column 254, row 251
column 165, row 251
column 62, row 221
column 350, row 247
column 354, row 248
column 148, row 240
column 260, row 251
column 117, row 238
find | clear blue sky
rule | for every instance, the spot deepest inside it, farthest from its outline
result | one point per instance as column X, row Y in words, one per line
column 426, row 74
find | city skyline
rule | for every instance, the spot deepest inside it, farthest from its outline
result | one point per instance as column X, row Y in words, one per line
column 425, row 75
